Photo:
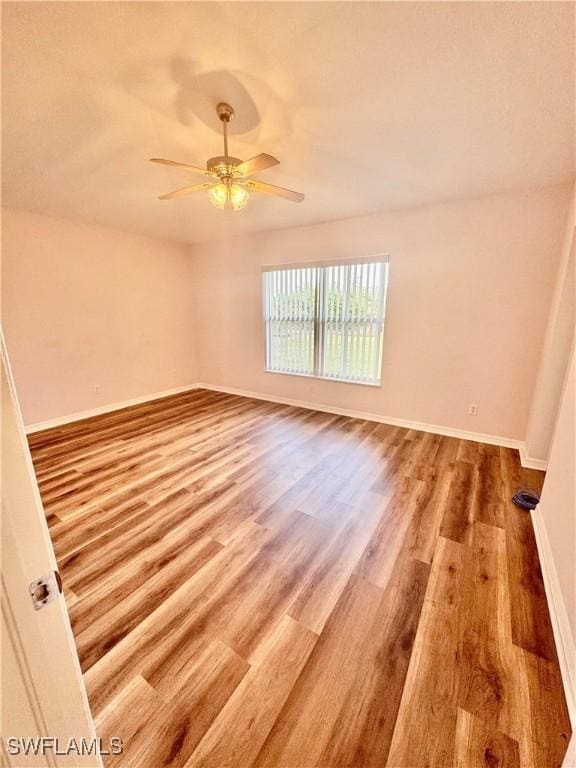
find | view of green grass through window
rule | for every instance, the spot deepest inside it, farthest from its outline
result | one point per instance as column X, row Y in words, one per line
column 326, row 321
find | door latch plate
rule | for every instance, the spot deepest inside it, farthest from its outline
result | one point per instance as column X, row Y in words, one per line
column 45, row 589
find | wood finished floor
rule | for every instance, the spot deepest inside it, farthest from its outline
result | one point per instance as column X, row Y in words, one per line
column 255, row 585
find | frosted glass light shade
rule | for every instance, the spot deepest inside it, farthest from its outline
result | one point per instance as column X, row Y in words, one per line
column 232, row 193
column 238, row 197
column 218, row 195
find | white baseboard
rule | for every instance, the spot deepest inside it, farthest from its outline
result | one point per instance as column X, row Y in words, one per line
column 530, row 463
column 79, row 415
column 563, row 636
column 436, row 429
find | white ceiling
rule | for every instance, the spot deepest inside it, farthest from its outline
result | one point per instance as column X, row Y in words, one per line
column 368, row 106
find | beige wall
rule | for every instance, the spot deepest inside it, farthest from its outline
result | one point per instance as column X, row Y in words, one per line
column 556, row 350
column 471, row 284
column 88, row 308
column 469, row 295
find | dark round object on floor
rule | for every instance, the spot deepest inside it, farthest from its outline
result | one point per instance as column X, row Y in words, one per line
column 526, row 499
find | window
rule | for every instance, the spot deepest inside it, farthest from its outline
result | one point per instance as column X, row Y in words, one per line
column 326, row 321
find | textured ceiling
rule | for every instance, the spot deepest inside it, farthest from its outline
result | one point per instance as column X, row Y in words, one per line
column 368, row 106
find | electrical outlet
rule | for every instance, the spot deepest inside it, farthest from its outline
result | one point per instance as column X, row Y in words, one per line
column 473, row 409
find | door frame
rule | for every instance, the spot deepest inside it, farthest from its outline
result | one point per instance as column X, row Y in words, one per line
column 44, row 690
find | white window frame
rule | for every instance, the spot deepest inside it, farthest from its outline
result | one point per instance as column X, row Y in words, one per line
column 318, row 324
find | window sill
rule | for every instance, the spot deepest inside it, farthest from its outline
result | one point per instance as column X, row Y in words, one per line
column 325, row 378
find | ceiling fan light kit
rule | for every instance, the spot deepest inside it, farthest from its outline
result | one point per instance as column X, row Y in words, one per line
column 229, row 183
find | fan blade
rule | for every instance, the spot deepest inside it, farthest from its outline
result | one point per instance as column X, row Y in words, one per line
column 255, row 164
column 270, row 189
column 193, row 168
column 186, row 190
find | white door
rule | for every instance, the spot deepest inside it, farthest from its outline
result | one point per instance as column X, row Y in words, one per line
column 43, row 693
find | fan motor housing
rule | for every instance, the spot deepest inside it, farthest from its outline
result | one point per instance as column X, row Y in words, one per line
column 223, row 166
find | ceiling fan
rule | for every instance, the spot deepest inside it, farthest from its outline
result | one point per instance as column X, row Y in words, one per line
column 229, row 182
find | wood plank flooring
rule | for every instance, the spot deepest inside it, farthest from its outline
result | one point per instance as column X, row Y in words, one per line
column 253, row 585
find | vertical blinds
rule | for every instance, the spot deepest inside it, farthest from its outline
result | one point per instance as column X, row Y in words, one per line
column 326, row 321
